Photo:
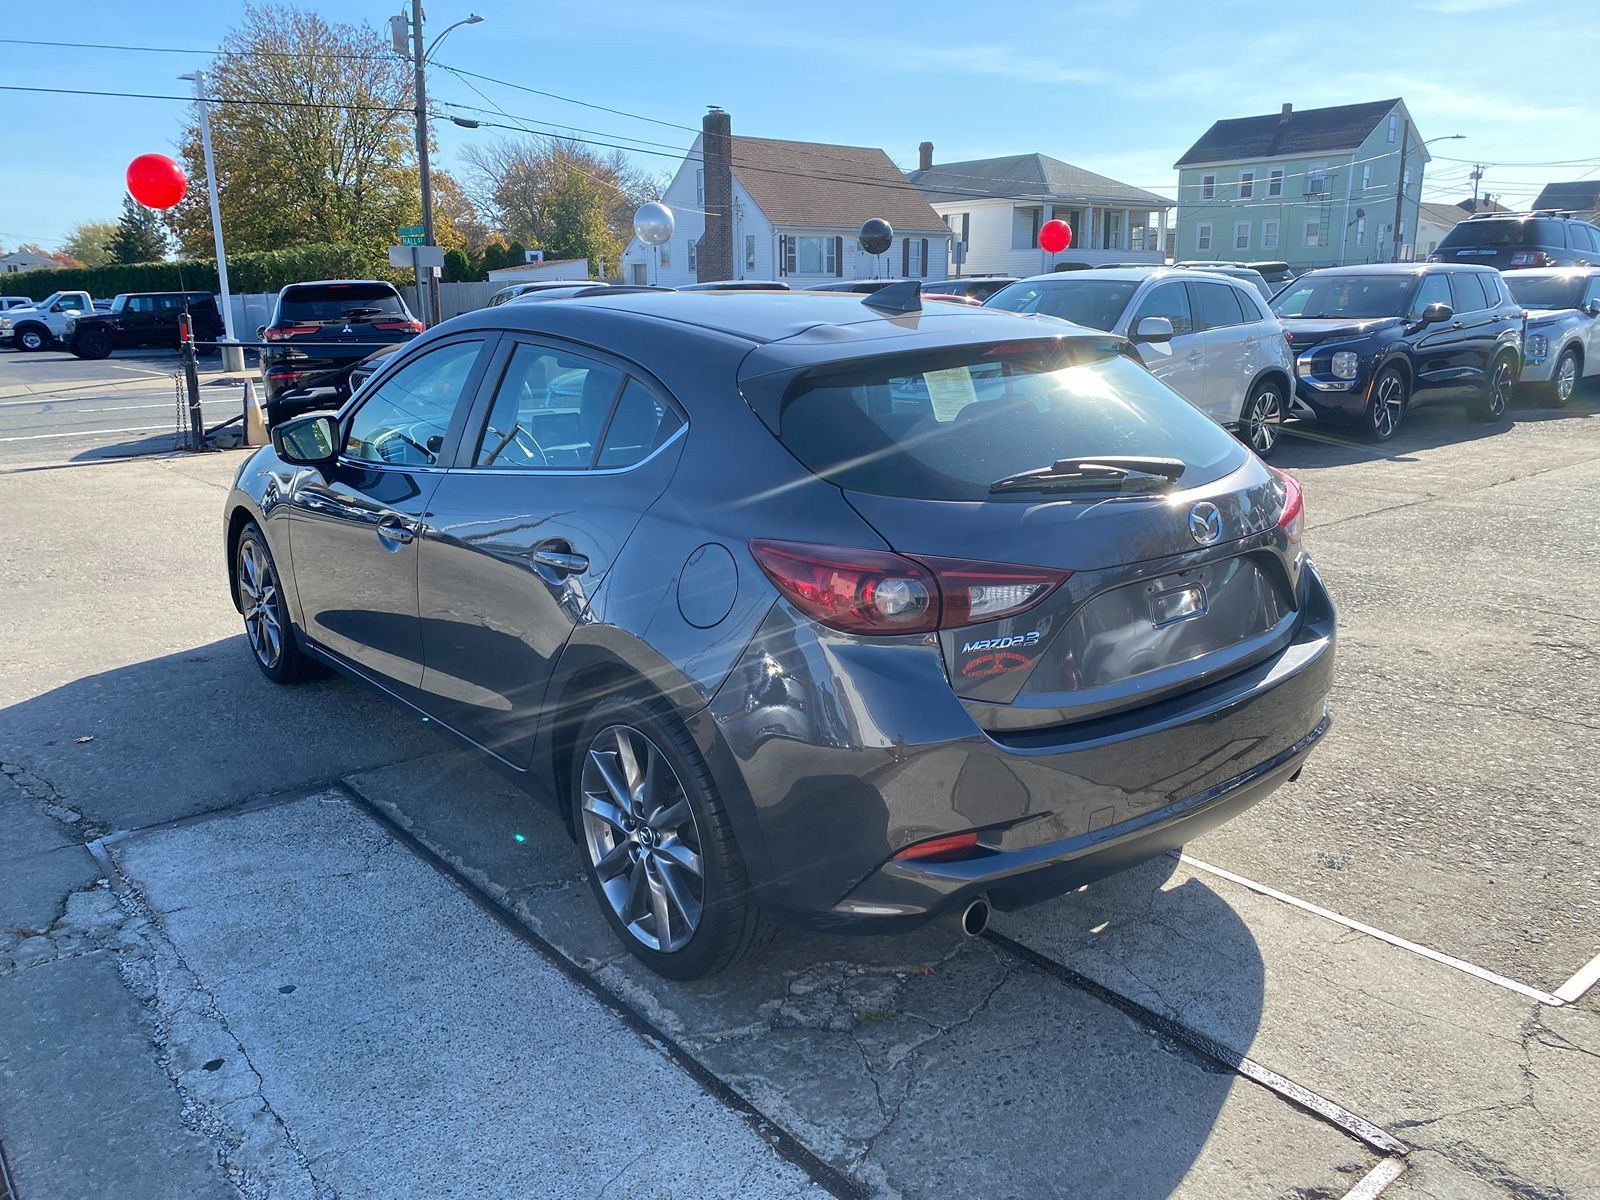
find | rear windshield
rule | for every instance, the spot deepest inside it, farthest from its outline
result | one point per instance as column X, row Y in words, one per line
column 334, row 301
column 1533, row 231
column 1094, row 303
column 944, row 425
column 1356, row 296
column 1545, row 291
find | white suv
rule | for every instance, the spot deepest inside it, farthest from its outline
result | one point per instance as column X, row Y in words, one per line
column 1207, row 337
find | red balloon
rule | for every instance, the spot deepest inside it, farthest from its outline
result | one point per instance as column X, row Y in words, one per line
column 155, row 181
column 1055, row 236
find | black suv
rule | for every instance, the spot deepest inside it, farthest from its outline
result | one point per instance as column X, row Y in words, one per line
column 143, row 319
column 1370, row 341
column 1512, row 240
column 318, row 333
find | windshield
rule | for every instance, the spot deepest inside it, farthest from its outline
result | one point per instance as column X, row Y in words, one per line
column 1536, row 231
column 1545, row 291
column 945, row 425
column 332, row 301
column 1093, row 303
column 1354, row 296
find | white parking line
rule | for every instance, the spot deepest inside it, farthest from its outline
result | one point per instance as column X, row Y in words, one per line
column 1374, row 1181
column 1573, row 989
column 1522, row 989
column 86, row 433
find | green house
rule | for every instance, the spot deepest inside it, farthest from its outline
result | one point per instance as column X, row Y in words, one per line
column 1312, row 188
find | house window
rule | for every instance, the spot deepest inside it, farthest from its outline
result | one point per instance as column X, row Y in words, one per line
column 1247, row 184
column 666, row 256
column 1361, row 230
column 1137, row 235
column 1317, row 180
column 1394, row 126
column 1202, row 239
column 1366, row 177
column 749, row 252
column 700, row 187
column 1112, row 232
column 1269, row 235
column 694, row 262
column 1025, row 224
column 1313, row 233
column 1405, row 181
column 1208, row 187
column 813, row 255
column 914, row 258
column 1275, row 182
column 1241, row 235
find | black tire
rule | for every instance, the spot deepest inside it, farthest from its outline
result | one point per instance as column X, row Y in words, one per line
column 30, row 339
column 93, row 343
column 729, row 925
column 284, row 661
column 1386, row 405
column 1494, row 403
column 1261, row 419
column 1565, row 379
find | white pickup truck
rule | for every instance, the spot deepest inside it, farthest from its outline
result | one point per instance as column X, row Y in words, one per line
column 39, row 327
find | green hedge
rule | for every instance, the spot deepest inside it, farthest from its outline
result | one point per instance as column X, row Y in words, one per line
column 260, row 271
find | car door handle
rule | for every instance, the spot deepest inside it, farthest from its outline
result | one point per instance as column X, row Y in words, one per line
column 1458, row 324
column 562, row 562
column 394, row 529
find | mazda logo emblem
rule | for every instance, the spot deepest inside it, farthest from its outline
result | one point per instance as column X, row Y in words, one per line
column 1205, row 523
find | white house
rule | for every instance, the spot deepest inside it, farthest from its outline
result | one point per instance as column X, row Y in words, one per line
column 24, row 260
column 995, row 206
column 761, row 208
column 575, row 269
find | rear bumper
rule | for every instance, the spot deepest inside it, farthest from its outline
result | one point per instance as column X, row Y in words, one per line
column 833, row 754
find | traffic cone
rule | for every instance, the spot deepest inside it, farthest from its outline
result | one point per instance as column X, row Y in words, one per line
column 255, row 422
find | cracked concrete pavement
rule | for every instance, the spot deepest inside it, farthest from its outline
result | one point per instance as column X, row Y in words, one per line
column 283, row 1000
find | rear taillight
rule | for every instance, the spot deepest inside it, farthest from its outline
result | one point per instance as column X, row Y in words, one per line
column 1531, row 258
column 878, row 592
column 399, row 326
column 940, row 849
column 282, row 333
column 1292, row 520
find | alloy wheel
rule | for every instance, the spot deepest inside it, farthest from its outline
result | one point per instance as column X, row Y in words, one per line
column 259, row 598
column 642, row 840
column 1566, row 378
column 1265, row 424
column 1500, row 386
column 1389, row 406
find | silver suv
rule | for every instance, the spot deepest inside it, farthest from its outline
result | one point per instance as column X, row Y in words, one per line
column 1207, row 337
column 1562, row 343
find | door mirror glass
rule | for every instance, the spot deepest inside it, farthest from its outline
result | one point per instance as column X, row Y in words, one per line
column 1153, row 329
column 307, row 441
column 1437, row 313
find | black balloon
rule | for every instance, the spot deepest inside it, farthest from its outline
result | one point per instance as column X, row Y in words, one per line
column 876, row 235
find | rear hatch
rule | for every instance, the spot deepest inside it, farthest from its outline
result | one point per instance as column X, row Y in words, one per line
column 321, row 330
column 1503, row 244
column 1158, row 560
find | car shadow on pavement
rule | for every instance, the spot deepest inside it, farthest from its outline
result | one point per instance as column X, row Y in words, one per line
column 1336, row 444
column 156, row 443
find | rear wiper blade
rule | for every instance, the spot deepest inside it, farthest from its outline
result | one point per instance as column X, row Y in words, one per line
column 359, row 312
column 1125, row 471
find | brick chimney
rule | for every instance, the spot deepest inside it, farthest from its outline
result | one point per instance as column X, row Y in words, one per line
column 1283, row 117
column 924, row 156
column 714, row 254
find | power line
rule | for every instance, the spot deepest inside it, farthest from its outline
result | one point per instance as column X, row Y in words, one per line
column 619, row 112
column 193, row 51
column 378, row 108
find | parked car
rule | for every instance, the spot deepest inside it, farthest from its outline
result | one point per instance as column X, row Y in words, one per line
column 1372, row 341
column 1562, row 344
column 1512, row 241
column 825, row 616
column 586, row 289
column 506, row 294
column 318, row 333
column 1238, row 271
column 738, row 285
column 861, row 287
column 973, row 287
column 370, row 366
column 1207, row 337
column 1275, row 273
column 9, row 302
column 39, row 326
column 143, row 319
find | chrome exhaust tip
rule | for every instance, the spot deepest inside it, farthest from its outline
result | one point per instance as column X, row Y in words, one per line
column 975, row 918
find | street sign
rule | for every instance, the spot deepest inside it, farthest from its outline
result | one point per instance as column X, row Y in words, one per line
column 406, row 231
column 412, row 239
column 416, row 256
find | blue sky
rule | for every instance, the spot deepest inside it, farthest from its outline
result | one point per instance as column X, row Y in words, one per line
column 1118, row 88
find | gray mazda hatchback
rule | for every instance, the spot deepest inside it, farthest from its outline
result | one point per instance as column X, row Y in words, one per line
column 802, row 607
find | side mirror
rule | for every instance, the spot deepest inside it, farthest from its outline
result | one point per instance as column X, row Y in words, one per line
column 1437, row 313
column 1153, row 329
column 1592, row 307
column 309, row 441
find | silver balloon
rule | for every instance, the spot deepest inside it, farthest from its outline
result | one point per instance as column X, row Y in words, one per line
column 653, row 224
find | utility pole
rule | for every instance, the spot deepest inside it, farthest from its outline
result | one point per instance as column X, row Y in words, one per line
column 431, row 317
column 232, row 356
column 1477, row 174
column 1399, row 187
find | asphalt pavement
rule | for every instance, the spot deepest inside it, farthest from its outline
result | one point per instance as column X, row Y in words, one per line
column 290, row 942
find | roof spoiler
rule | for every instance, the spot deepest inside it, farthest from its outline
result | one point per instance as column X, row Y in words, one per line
column 903, row 297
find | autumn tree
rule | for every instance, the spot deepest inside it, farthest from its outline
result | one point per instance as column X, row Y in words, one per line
column 90, row 242
column 139, row 236
column 314, row 142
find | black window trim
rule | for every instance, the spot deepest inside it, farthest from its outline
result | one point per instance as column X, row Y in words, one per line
column 1197, row 305
column 464, row 459
column 489, row 338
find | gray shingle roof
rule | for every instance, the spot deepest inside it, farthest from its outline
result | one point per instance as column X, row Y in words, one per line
column 1581, row 195
column 1447, row 215
column 1028, row 177
column 1306, row 131
column 827, row 186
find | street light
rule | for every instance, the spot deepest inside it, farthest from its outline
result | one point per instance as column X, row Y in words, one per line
column 397, row 32
column 232, row 356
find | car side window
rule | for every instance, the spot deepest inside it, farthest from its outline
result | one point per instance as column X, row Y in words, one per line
column 1466, row 294
column 1219, row 306
column 404, row 420
column 1586, row 237
column 141, row 304
column 1435, row 289
column 640, row 423
column 1592, row 292
column 1169, row 300
column 549, row 411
